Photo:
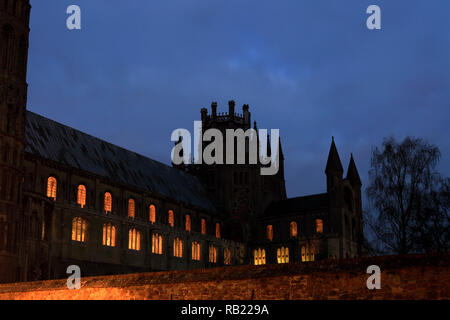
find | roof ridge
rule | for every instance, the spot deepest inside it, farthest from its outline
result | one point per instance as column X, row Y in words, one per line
column 99, row 139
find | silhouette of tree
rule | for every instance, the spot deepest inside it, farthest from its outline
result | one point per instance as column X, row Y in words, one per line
column 409, row 198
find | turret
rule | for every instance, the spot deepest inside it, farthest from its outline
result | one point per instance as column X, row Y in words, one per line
column 352, row 173
column 214, row 110
column 334, row 168
column 247, row 115
column 231, row 105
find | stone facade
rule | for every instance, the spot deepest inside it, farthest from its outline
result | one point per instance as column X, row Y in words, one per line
column 69, row 198
column 412, row 277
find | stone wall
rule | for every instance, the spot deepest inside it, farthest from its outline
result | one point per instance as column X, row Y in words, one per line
column 402, row 277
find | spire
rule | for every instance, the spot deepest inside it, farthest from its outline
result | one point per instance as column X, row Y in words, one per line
column 334, row 162
column 352, row 172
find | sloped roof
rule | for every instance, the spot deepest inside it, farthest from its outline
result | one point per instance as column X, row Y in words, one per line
column 57, row 142
column 298, row 205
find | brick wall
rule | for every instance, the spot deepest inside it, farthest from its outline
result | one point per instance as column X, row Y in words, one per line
column 402, row 277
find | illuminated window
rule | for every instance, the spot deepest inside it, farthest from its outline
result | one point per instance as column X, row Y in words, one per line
column 109, row 235
column 188, row 223
column 319, row 226
column 259, row 256
column 79, row 227
column 178, row 247
column 212, row 254
column 283, row 255
column 156, row 243
column 307, row 253
column 227, row 256
column 270, row 232
column 171, row 218
column 108, row 202
column 218, row 230
column 134, row 239
column 152, row 213
column 294, row 229
column 81, row 195
column 131, row 208
column 196, row 251
column 203, row 226
column 51, row 188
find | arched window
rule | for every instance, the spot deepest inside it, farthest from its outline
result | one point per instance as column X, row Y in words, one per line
column 108, row 202
column 152, row 213
column 212, row 254
column 227, row 256
column 79, row 228
column 283, row 255
column 81, row 195
column 203, row 226
column 259, row 256
column 51, row 188
column 109, row 235
column 131, row 208
column 188, row 223
column 308, row 253
column 134, row 239
column 171, row 218
column 293, row 228
column 218, row 230
column 269, row 232
column 177, row 247
column 319, row 226
column 196, row 251
column 157, row 243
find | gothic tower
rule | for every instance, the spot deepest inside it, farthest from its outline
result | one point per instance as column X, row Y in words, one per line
column 239, row 191
column 14, row 31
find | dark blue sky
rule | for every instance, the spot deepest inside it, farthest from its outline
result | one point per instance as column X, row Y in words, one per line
column 139, row 69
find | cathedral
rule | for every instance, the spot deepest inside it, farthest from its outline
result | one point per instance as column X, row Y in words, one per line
column 68, row 198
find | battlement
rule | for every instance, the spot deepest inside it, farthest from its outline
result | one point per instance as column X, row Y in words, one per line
column 220, row 117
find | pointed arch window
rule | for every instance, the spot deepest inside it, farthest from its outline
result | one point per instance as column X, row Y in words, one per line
column 51, row 188
column 269, row 231
column 107, row 202
column 109, row 235
column 294, row 231
column 81, row 195
column 178, row 247
column 134, row 239
column 203, row 226
column 152, row 213
column 157, row 243
column 188, row 223
column 319, row 226
column 196, row 251
column 212, row 254
column 131, row 208
column 259, row 256
column 171, row 218
column 218, row 230
column 283, row 255
column 308, row 253
column 79, row 228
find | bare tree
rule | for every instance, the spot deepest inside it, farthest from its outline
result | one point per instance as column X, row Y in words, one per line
column 409, row 198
